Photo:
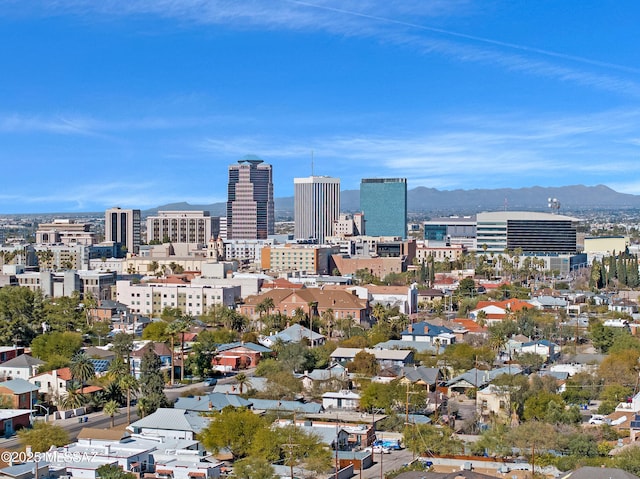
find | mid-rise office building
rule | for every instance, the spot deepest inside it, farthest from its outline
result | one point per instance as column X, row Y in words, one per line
column 532, row 232
column 122, row 226
column 182, row 227
column 250, row 206
column 316, row 207
column 64, row 231
column 450, row 231
column 349, row 225
column 384, row 203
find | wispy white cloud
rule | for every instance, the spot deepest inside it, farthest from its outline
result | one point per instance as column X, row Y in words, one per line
column 402, row 23
column 467, row 152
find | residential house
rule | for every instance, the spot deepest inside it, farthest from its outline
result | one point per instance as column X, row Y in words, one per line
column 295, row 333
column 170, row 423
column 623, row 305
column 543, row 347
column 342, row 399
column 549, row 303
column 477, row 378
column 20, row 367
column 437, row 336
column 288, row 407
column 211, row 402
column 10, row 352
column 18, row 394
column 335, row 374
column 494, row 311
column 12, row 420
column 405, row 298
column 430, row 378
column 346, row 436
column 384, row 357
column 240, row 355
column 53, row 384
column 160, row 349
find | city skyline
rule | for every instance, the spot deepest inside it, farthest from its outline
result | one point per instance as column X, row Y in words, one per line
column 147, row 104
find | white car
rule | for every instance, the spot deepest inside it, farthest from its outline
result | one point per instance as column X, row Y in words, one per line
column 599, row 419
column 378, row 449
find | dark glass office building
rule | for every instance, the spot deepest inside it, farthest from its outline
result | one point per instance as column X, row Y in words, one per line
column 384, row 204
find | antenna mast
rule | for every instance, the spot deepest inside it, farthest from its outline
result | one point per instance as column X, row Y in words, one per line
column 311, row 162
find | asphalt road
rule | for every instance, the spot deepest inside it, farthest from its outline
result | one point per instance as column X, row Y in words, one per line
column 389, row 462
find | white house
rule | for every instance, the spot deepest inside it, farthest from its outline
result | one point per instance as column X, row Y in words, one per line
column 170, row 423
column 20, row 367
column 341, row 400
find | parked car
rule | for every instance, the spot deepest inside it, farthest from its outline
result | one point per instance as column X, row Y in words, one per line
column 378, row 449
column 210, row 381
column 599, row 419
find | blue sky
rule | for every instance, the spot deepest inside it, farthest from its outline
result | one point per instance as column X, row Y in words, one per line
column 140, row 103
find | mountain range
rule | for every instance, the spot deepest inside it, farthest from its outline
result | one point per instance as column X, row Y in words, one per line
column 430, row 201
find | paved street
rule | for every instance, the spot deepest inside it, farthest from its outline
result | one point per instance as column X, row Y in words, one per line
column 392, row 461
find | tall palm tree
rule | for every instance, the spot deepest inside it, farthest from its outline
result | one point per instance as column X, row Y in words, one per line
column 129, row 384
column 173, row 329
column 111, row 408
column 82, row 368
column 186, row 321
column 328, row 318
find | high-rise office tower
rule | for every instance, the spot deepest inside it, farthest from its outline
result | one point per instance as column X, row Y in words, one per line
column 123, row 227
column 316, row 206
column 250, row 207
column 384, row 204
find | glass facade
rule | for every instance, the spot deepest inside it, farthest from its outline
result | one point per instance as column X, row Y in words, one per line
column 384, row 204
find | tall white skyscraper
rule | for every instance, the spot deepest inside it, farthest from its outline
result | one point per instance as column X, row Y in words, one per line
column 316, row 206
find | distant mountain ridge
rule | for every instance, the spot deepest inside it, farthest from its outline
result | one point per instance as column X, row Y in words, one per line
column 423, row 200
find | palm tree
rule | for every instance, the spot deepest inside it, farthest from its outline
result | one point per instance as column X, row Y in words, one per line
column 73, row 399
column 111, row 408
column 328, row 317
column 298, row 315
column 379, row 312
column 242, row 380
column 129, row 384
column 173, row 328
column 82, row 368
column 143, row 407
column 185, row 325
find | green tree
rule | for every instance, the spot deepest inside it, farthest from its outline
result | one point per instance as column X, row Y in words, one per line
column 432, row 440
column 42, row 436
column 533, row 438
column 253, row 468
column 58, row 344
column 297, row 357
column 629, row 460
column 364, row 363
column 156, row 331
column 379, row 396
column 109, row 471
column 233, row 430
column 111, row 408
column 152, row 381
